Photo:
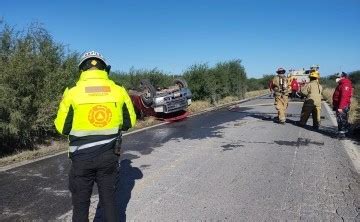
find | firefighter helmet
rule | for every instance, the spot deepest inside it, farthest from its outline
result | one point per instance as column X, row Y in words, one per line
column 315, row 67
column 280, row 71
column 314, row 74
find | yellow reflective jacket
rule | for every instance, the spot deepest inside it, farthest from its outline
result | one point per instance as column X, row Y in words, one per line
column 92, row 113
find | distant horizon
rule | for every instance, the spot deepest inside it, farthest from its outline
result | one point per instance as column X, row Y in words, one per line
column 173, row 35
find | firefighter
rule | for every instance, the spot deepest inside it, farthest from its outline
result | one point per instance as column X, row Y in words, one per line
column 281, row 92
column 92, row 114
column 312, row 103
column 341, row 103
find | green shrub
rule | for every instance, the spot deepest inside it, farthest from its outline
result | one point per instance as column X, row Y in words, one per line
column 131, row 79
column 33, row 72
column 225, row 79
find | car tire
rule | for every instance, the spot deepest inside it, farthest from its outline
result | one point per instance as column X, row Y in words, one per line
column 148, row 92
column 181, row 83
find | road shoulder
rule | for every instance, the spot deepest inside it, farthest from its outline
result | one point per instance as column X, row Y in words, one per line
column 352, row 149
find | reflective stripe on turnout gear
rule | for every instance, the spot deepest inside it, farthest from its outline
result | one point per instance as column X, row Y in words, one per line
column 80, row 133
column 75, row 148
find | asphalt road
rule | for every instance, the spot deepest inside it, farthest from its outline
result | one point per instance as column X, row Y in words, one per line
column 235, row 165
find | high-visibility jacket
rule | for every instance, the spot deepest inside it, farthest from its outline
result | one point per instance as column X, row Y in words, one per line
column 93, row 113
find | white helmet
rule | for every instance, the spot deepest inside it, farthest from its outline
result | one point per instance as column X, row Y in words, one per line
column 91, row 54
column 315, row 67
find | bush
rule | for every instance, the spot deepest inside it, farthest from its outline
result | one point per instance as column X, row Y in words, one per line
column 225, row 79
column 33, row 72
column 254, row 84
column 131, row 79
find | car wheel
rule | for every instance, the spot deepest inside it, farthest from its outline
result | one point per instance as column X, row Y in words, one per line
column 181, row 83
column 148, row 92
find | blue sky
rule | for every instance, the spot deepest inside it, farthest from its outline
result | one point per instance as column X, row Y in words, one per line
column 175, row 34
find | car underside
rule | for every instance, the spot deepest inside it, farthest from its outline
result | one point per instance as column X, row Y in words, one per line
column 167, row 102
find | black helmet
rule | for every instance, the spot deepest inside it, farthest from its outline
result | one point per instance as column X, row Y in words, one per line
column 343, row 74
column 280, row 71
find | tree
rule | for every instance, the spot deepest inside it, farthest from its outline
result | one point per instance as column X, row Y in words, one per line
column 355, row 77
column 131, row 79
column 199, row 80
column 225, row 79
column 33, row 72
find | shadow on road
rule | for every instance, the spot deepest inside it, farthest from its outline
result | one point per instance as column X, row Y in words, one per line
column 299, row 142
column 124, row 185
column 228, row 147
column 207, row 125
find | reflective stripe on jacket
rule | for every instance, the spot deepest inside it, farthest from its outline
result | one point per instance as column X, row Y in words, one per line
column 92, row 113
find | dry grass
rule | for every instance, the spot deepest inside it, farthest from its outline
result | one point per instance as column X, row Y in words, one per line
column 327, row 94
column 256, row 93
column 43, row 150
column 61, row 146
column 198, row 106
column 354, row 112
column 228, row 99
column 147, row 121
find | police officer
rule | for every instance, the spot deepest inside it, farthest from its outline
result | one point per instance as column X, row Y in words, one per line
column 312, row 104
column 281, row 92
column 92, row 114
